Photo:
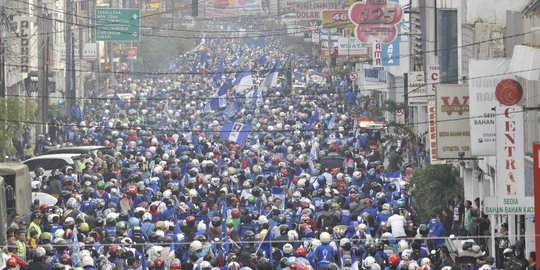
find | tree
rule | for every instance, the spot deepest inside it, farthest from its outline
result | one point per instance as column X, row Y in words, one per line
column 434, row 186
column 16, row 115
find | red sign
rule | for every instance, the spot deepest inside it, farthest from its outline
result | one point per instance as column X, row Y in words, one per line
column 132, row 53
column 401, row 111
column 432, row 110
column 508, row 92
column 376, row 20
column 536, row 170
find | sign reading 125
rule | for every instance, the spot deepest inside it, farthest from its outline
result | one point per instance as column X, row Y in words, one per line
column 376, row 20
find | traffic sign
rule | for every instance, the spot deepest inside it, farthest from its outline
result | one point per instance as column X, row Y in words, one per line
column 353, row 76
column 118, row 24
column 401, row 111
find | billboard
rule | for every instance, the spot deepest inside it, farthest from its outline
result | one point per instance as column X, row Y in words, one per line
column 231, row 8
column 453, row 131
column 510, row 181
column 306, row 10
column 376, row 20
column 336, row 19
column 416, row 88
column 484, row 75
column 350, row 47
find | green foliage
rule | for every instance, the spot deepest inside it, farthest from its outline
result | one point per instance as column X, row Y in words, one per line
column 434, row 186
column 15, row 114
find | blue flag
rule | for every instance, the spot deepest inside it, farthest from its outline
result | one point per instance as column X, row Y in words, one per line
column 262, row 60
column 143, row 261
column 118, row 100
column 266, row 246
column 235, row 132
column 231, row 110
column 244, row 81
column 332, row 121
column 219, row 72
column 312, row 119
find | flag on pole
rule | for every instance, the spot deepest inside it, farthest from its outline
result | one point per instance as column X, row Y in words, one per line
column 235, row 132
column 271, row 78
column 243, row 82
column 266, row 246
column 75, row 248
column 253, row 96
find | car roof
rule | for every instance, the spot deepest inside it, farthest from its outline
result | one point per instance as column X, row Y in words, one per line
column 58, row 156
column 75, row 150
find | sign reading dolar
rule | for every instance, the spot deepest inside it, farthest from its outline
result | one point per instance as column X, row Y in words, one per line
column 376, row 20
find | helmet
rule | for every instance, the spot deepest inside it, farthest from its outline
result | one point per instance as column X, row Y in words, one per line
column 40, row 252
column 288, row 249
column 133, row 222
column 195, row 245
column 368, row 262
column 46, row 236
column 66, row 259
column 216, row 221
column 84, row 228
column 301, row 252
column 406, row 254
column 190, row 220
column 11, row 262
column 87, row 261
column 175, row 265
column 325, row 238
column 393, row 260
column 159, row 262
column 101, row 185
column 39, row 171
column 205, row 265
column 71, row 203
column 423, row 230
column 426, row 261
column 235, row 213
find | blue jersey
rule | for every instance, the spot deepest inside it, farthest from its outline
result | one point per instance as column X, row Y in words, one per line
column 324, row 255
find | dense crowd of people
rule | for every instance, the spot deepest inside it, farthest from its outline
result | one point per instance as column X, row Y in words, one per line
column 172, row 192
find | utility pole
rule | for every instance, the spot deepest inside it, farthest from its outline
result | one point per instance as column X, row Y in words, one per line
column 68, row 38
column 43, row 70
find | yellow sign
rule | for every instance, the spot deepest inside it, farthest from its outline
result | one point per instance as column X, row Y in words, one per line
column 336, row 19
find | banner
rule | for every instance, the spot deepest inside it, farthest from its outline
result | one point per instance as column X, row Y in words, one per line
column 453, row 131
column 416, row 87
column 337, row 19
column 350, row 47
column 484, row 75
column 232, row 8
column 306, row 10
column 433, row 80
column 390, row 51
column 510, row 180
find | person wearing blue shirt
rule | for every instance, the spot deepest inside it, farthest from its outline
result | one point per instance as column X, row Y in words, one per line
column 324, row 254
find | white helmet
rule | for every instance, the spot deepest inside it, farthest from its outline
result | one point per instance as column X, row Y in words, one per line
column 292, row 235
column 40, row 252
column 205, row 264
column 413, row 265
column 87, row 261
column 325, row 238
column 426, row 261
column 84, row 253
column 368, row 262
column 485, row 267
column 59, row 234
column 288, row 249
column 194, row 246
column 406, row 254
column 314, row 243
column 147, row 217
column 403, row 246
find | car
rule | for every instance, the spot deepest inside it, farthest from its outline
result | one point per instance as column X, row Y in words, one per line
column 52, row 162
column 44, row 198
column 90, row 150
